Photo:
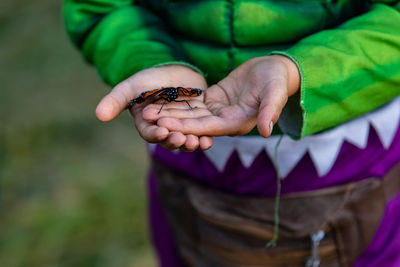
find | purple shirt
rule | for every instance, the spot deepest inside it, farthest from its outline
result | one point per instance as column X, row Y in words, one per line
column 353, row 164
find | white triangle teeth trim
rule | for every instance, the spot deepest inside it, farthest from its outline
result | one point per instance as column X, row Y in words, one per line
column 248, row 149
column 324, row 154
column 357, row 132
column 289, row 153
column 323, row 148
column 386, row 123
column 221, row 150
column 270, row 145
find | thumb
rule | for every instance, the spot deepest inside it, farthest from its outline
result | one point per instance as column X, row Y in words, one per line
column 114, row 103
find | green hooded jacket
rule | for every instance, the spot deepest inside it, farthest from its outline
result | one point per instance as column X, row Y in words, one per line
column 348, row 51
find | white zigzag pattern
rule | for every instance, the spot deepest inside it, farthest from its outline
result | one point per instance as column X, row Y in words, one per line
column 323, row 148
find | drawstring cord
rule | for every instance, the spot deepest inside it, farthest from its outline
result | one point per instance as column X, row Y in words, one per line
column 272, row 242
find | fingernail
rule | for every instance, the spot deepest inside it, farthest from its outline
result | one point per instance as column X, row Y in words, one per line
column 271, row 127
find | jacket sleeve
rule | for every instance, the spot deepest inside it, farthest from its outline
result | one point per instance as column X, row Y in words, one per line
column 346, row 71
column 119, row 37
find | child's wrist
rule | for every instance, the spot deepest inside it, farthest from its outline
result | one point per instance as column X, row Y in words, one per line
column 293, row 74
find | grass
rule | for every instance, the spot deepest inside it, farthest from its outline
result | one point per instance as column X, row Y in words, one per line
column 72, row 189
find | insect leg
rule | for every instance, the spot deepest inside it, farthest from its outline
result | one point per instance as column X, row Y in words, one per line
column 184, row 100
column 166, row 100
column 162, row 106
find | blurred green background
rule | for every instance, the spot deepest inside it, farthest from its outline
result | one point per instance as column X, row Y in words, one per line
column 72, row 189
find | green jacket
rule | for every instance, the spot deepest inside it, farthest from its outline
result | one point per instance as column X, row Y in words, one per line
column 348, row 51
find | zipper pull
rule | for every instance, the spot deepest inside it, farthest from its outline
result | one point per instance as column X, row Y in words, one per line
column 316, row 238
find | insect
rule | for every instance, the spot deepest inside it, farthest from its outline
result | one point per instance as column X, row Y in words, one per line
column 169, row 94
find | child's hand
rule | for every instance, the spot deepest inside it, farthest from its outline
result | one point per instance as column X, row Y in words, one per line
column 172, row 75
column 253, row 93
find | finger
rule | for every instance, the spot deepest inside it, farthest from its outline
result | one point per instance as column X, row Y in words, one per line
column 206, row 142
column 177, row 104
column 208, row 125
column 114, row 103
column 174, row 141
column 272, row 102
column 191, row 144
column 148, row 131
column 152, row 112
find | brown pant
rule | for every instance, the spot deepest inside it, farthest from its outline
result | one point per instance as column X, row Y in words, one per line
column 212, row 228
